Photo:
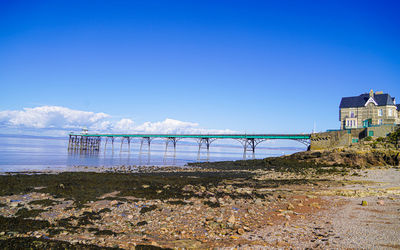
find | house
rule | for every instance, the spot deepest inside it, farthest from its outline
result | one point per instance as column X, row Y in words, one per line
column 370, row 109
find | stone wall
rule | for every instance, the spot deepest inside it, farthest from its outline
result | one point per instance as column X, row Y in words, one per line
column 381, row 131
column 343, row 138
column 334, row 139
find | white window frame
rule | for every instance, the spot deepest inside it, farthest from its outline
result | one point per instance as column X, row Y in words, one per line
column 380, row 122
column 390, row 112
column 380, row 112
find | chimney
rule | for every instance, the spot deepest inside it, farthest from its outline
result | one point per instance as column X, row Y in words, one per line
column 371, row 93
column 379, row 93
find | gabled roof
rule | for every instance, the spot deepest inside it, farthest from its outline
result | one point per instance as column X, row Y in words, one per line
column 398, row 107
column 361, row 100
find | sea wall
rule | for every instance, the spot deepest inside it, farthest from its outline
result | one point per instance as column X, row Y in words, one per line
column 343, row 138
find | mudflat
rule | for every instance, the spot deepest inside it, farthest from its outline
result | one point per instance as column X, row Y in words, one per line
column 203, row 206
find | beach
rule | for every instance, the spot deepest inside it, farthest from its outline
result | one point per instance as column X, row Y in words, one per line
column 200, row 207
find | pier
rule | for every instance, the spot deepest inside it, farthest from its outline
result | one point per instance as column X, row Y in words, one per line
column 85, row 142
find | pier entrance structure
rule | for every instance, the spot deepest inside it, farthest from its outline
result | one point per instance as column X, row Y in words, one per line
column 91, row 142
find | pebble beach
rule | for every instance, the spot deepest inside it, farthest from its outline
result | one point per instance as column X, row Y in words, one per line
column 201, row 208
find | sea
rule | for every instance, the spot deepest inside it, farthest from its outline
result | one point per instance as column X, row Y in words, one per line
column 33, row 153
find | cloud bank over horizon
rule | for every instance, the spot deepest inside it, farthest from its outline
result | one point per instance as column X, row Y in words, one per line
column 59, row 121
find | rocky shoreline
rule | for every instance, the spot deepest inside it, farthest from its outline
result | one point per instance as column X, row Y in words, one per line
column 284, row 202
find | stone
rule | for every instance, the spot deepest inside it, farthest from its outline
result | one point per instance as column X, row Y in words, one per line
column 145, row 186
column 240, row 231
column 232, row 219
column 381, row 202
column 213, row 200
column 290, row 206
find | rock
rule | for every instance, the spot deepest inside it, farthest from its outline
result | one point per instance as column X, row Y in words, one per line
column 381, row 202
column 240, row 231
column 213, row 200
column 145, row 186
column 315, row 204
column 247, row 229
column 232, row 219
column 258, row 201
column 364, row 203
column 219, row 219
column 290, row 207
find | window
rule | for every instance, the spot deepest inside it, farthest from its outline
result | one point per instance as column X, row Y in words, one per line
column 380, row 112
column 390, row 112
column 380, row 121
column 351, row 114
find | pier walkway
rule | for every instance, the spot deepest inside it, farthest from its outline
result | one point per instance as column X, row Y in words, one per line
column 91, row 142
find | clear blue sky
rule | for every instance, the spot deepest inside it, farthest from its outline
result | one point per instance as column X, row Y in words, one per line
column 254, row 66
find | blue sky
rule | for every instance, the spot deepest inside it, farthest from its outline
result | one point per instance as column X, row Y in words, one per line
column 247, row 66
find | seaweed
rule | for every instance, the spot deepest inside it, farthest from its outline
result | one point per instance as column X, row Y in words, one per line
column 141, row 223
column 88, row 217
column 105, row 232
column 212, row 204
column 148, row 209
column 150, row 247
column 35, row 243
column 18, row 224
column 44, row 203
column 25, row 213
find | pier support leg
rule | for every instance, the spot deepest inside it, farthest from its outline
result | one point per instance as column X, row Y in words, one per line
column 173, row 140
column 122, row 142
column 250, row 144
column 148, row 140
column 69, row 142
column 207, row 142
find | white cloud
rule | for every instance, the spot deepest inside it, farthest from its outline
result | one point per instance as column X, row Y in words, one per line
column 50, row 117
column 123, row 126
column 56, row 120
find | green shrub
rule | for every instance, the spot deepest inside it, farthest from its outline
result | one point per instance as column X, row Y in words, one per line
column 368, row 138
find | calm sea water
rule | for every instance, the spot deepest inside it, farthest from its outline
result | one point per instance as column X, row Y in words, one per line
column 38, row 154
